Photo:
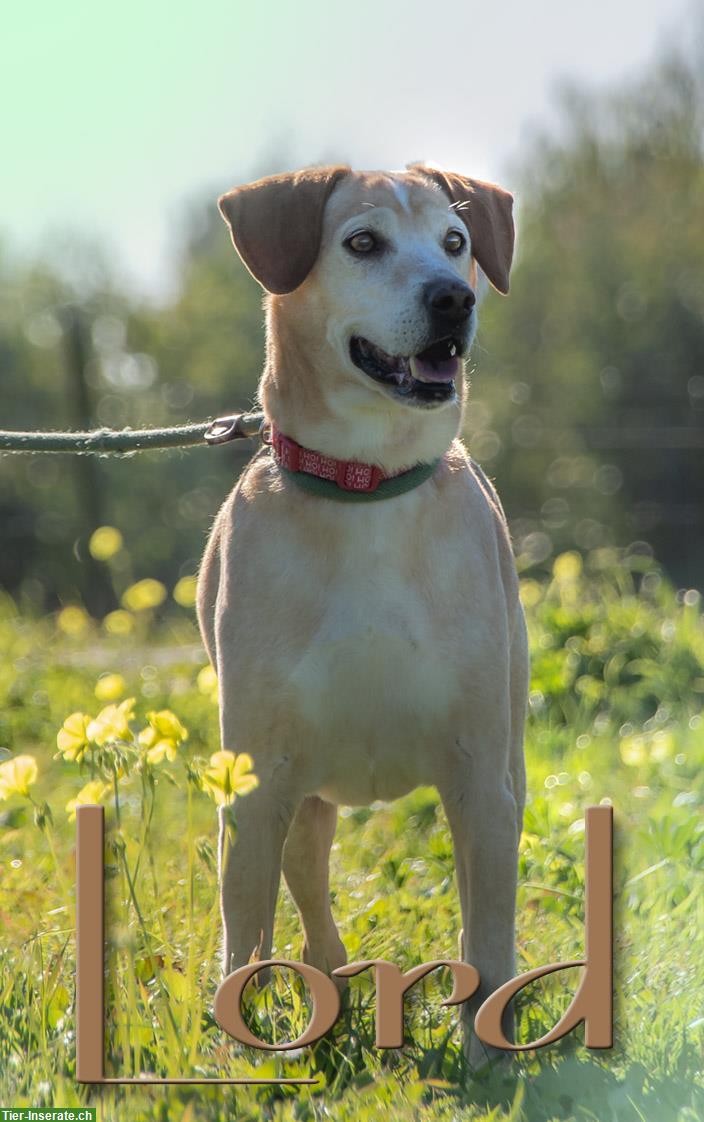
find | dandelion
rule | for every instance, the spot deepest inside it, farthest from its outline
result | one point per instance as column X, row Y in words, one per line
column 109, row 687
column 72, row 739
column 92, row 794
column 162, row 736
column 229, row 775
column 147, row 593
column 112, row 723
column 17, row 776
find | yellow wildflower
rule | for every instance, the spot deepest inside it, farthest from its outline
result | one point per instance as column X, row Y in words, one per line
column 112, row 723
column 105, row 542
column 119, row 622
column 110, row 687
column 185, row 591
column 73, row 620
column 229, row 775
column 633, row 750
column 567, row 567
column 208, row 682
column 162, row 736
column 93, row 793
column 17, row 776
column 72, row 739
column 147, row 593
column 530, row 593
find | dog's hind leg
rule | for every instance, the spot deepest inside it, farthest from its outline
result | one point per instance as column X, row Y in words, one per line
column 305, row 862
column 481, row 810
column 519, row 684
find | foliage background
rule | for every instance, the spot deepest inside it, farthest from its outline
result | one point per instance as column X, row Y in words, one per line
column 587, row 407
column 587, row 400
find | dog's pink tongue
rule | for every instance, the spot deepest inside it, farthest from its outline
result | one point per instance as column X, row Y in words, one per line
column 443, row 371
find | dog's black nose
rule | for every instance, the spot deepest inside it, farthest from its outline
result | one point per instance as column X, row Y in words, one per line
column 449, row 301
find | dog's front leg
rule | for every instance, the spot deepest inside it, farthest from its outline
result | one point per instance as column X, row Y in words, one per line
column 482, row 814
column 249, row 866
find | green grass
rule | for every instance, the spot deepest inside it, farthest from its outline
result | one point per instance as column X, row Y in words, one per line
column 617, row 689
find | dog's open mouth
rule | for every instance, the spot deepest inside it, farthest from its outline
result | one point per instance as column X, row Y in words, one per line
column 427, row 378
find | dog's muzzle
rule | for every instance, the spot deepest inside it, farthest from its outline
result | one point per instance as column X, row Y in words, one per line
column 424, row 379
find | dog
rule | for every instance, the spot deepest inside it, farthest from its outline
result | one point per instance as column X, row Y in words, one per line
column 366, row 647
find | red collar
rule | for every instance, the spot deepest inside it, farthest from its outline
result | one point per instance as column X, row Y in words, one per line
column 350, row 475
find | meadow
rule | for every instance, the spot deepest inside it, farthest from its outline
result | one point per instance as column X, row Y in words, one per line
column 123, row 711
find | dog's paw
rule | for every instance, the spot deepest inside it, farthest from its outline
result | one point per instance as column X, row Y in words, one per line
column 326, row 957
column 488, row 1064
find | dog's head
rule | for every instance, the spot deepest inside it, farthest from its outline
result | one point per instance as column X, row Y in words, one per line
column 372, row 275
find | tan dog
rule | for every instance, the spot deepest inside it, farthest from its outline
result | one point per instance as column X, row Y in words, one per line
column 365, row 648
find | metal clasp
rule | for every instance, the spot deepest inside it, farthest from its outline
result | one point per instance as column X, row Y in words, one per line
column 238, row 426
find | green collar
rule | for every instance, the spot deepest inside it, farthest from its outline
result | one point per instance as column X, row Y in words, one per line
column 387, row 488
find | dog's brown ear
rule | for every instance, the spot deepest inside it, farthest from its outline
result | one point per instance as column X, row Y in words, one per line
column 487, row 212
column 276, row 224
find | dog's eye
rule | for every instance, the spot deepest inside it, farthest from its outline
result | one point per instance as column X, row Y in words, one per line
column 362, row 242
column 454, row 241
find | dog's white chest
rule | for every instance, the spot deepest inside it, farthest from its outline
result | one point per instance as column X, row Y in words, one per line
column 380, row 674
column 361, row 640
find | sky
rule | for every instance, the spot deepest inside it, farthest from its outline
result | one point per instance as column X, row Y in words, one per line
column 114, row 118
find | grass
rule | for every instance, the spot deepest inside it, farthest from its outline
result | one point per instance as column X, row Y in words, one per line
column 615, row 713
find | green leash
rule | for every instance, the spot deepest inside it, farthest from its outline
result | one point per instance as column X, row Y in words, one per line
column 107, row 442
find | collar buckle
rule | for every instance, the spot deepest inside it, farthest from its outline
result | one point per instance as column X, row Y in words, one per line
column 288, row 452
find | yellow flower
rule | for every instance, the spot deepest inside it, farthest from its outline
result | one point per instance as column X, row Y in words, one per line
column 17, row 776
column 530, row 593
column 72, row 739
column 93, row 792
column 119, row 622
column 110, row 687
column 567, row 567
column 105, row 542
column 162, row 736
column 147, row 593
column 185, row 591
column 633, row 750
column 73, row 620
column 112, row 723
column 208, row 682
column 662, row 745
column 228, row 776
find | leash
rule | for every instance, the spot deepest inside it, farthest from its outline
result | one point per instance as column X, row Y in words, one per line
column 108, row 442
column 341, row 480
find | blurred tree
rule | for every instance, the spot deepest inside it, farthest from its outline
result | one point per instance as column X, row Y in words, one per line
column 590, row 377
column 587, row 403
column 198, row 356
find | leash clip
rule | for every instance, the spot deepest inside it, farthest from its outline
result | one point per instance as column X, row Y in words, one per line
column 237, row 426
